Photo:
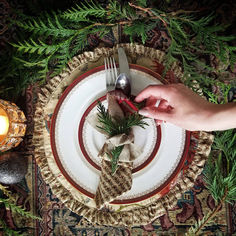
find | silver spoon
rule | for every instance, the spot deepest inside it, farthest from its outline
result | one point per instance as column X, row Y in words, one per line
column 123, row 84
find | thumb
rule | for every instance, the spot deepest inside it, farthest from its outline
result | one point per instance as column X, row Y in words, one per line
column 156, row 113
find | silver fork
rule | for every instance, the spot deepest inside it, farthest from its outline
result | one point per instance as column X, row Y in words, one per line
column 111, row 73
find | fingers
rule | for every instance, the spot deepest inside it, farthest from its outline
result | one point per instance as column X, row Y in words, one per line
column 151, row 102
column 157, row 113
column 158, row 122
column 164, row 105
column 156, row 91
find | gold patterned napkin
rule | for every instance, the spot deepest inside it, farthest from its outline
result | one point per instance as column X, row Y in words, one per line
column 112, row 185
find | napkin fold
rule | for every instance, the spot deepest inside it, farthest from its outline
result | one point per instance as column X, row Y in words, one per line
column 112, row 185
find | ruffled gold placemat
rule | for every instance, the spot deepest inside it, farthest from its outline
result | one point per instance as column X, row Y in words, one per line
column 129, row 214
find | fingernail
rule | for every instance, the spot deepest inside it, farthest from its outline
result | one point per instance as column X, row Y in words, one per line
column 143, row 113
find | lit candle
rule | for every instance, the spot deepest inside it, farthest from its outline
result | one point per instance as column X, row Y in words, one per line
column 4, row 125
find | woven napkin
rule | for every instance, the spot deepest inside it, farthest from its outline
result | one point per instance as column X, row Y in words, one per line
column 111, row 185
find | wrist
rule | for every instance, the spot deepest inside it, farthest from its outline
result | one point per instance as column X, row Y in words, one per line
column 220, row 117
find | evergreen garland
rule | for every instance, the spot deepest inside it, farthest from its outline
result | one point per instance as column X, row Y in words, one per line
column 49, row 41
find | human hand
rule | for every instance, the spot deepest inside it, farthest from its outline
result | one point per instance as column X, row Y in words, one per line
column 180, row 106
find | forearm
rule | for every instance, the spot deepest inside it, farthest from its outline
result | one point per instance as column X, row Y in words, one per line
column 221, row 117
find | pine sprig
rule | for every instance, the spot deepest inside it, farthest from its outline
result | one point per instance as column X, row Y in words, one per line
column 113, row 127
column 214, row 178
column 114, row 156
column 215, row 98
column 132, row 120
column 105, row 119
column 199, row 223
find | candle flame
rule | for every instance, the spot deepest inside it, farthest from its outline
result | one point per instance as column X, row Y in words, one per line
column 4, row 125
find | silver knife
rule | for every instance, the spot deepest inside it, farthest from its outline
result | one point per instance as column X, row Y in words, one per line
column 123, row 62
column 123, row 81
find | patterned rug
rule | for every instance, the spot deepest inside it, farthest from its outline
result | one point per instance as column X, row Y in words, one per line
column 37, row 197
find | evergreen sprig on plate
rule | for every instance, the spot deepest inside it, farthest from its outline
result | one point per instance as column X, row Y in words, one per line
column 114, row 127
column 114, row 156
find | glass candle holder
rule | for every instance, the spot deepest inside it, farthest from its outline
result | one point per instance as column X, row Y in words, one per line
column 12, row 125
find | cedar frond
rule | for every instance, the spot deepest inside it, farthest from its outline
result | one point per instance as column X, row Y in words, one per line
column 117, row 12
column 51, row 26
column 139, row 28
column 17, row 209
column 34, row 47
column 83, row 12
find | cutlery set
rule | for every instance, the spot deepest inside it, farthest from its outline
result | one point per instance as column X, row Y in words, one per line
column 121, row 82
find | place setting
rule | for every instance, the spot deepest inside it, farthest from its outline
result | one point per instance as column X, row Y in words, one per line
column 99, row 161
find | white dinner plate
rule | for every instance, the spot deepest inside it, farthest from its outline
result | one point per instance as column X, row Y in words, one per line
column 75, row 144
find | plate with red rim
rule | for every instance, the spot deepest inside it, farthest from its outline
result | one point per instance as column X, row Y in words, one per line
column 75, row 143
